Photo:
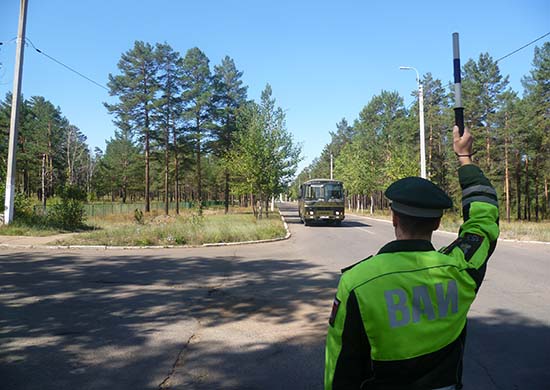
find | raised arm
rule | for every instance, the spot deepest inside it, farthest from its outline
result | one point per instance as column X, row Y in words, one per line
column 479, row 231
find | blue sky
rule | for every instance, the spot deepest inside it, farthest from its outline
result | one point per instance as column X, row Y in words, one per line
column 324, row 59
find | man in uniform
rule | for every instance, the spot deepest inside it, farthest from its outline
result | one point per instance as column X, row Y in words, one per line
column 398, row 320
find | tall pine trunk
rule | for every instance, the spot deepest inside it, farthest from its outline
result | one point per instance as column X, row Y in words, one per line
column 166, row 168
column 536, row 171
column 199, row 175
column 147, row 200
column 546, row 203
column 49, row 160
column 430, row 148
column 518, row 184
column 226, row 191
column 147, row 157
column 527, row 206
column 488, row 148
column 506, row 171
column 176, row 173
column 44, row 183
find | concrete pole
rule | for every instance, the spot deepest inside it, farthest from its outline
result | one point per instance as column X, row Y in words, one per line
column 421, row 115
column 16, row 94
column 422, row 136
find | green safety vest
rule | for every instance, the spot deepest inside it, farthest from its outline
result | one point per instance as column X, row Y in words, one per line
column 413, row 300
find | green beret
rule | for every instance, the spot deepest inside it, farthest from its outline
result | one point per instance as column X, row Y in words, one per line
column 418, row 197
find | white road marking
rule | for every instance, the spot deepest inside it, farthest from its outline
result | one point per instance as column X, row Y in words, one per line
column 365, row 230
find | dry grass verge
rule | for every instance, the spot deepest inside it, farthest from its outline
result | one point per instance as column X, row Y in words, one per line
column 184, row 229
column 513, row 230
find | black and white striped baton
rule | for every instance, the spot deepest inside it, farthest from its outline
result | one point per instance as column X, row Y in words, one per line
column 459, row 109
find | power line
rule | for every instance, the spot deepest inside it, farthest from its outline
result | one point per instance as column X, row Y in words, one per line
column 10, row 41
column 66, row 66
column 523, row 47
column 3, row 69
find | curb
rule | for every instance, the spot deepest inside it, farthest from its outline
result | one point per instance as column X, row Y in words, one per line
column 110, row 247
column 446, row 232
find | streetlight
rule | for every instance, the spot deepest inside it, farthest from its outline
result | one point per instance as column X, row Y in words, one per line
column 421, row 115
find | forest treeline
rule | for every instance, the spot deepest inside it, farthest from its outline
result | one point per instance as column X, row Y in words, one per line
column 512, row 139
column 184, row 132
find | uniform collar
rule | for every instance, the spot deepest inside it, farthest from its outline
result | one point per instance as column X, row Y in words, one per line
column 407, row 246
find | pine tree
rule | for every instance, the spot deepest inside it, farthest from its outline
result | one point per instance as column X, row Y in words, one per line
column 119, row 165
column 45, row 127
column 230, row 94
column 136, row 89
column 537, row 113
column 483, row 89
column 168, row 112
column 197, row 98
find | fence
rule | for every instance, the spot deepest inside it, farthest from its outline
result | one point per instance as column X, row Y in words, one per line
column 103, row 209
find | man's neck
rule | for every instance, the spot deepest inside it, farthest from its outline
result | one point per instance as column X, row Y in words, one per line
column 399, row 235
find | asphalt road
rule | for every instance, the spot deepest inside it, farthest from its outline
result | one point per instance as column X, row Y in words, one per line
column 238, row 317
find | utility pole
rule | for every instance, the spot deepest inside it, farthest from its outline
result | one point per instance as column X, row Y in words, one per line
column 16, row 95
column 331, row 166
column 44, row 183
column 422, row 136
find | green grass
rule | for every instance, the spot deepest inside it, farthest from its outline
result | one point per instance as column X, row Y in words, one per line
column 16, row 229
column 33, row 226
column 514, row 230
column 187, row 229
column 525, row 231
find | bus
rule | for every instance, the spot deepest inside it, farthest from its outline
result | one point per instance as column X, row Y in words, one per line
column 321, row 200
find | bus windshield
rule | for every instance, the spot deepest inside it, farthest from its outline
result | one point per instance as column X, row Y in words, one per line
column 324, row 192
column 333, row 191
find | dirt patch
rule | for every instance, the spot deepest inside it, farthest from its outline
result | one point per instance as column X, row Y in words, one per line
column 30, row 240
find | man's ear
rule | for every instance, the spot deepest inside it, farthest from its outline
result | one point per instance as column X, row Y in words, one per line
column 436, row 224
column 394, row 218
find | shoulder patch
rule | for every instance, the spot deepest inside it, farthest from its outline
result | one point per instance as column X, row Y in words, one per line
column 335, row 305
column 448, row 249
column 353, row 265
column 470, row 244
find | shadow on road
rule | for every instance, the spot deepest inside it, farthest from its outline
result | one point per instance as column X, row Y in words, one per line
column 70, row 322
column 506, row 350
column 352, row 224
column 78, row 322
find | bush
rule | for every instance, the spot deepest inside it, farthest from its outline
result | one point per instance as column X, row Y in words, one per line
column 22, row 204
column 138, row 217
column 68, row 213
column 73, row 192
